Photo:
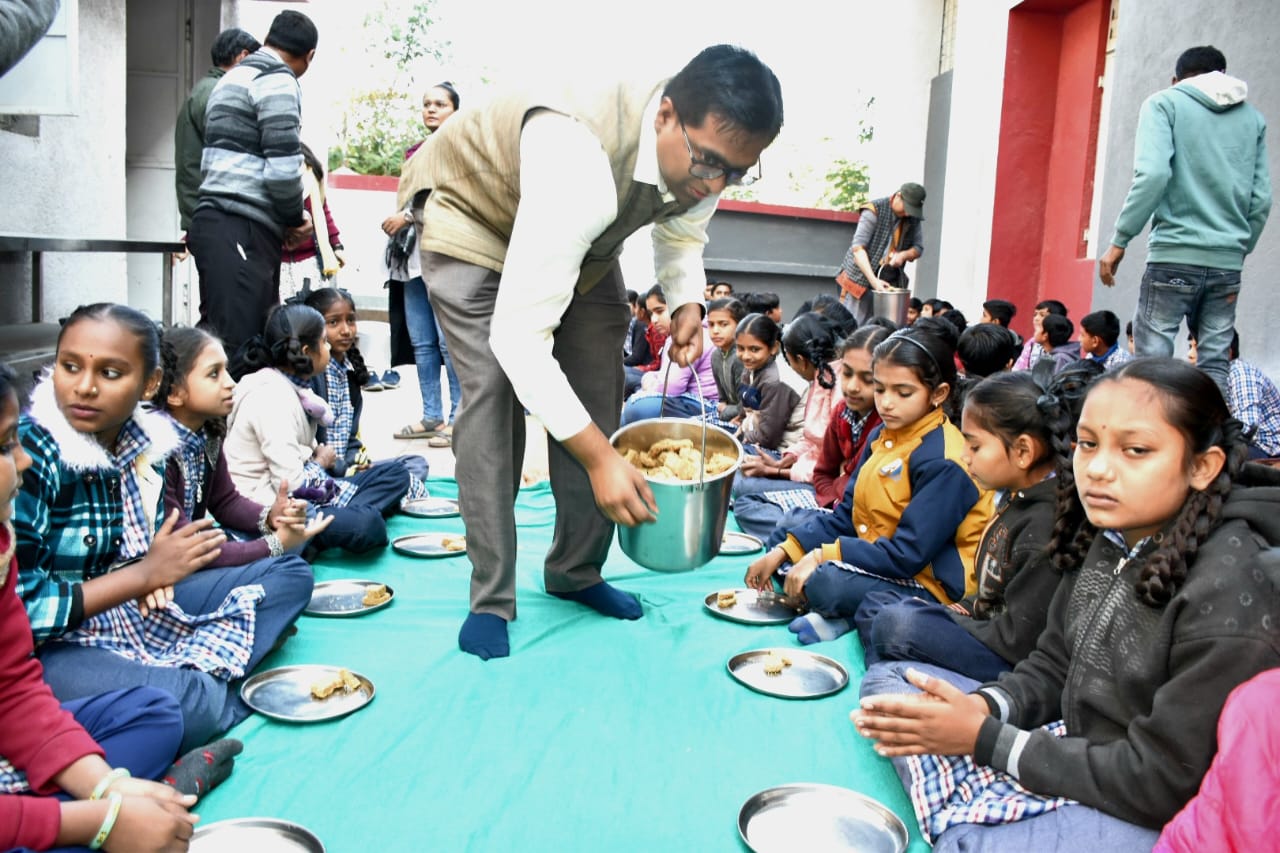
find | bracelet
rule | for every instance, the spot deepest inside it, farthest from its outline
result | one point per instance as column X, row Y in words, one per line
column 108, row 823
column 274, row 546
column 263, row 527
column 107, row 781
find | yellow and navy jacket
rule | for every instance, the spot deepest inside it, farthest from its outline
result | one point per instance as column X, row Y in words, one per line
column 912, row 513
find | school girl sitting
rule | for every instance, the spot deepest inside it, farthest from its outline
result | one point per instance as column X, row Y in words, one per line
column 1017, row 430
column 723, row 317
column 912, row 518
column 809, row 346
column 112, row 589
column 75, row 774
column 771, row 408
column 1170, row 603
column 848, row 431
column 271, row 435
column 339, row 385
column 673, row 391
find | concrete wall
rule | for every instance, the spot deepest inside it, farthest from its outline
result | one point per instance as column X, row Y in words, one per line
column 69, row 180
column 925, row 282
column 1150, row 35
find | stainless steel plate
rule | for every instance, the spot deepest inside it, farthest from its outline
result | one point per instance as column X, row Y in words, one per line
column 753, row 608
column 344, row 598
column 808, row 677
column 819, row 819
column 431, row 508
column 739, row 543
column 425, row 545
column 284, row 693
column 255, row 835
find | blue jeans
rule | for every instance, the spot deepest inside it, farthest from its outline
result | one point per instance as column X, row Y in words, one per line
column 1205, row 297
column 429, row 352
column 651, row 406
column 900, row 626
column 837, row 593
column 210, row 705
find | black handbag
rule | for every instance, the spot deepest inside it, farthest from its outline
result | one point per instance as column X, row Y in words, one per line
column 400, row 245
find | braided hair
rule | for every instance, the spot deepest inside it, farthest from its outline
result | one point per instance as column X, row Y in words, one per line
column 180, row 346
column 324, row 299
column 813, row 337
column 289, row 328
column 1194, row 406
column 1046, row 407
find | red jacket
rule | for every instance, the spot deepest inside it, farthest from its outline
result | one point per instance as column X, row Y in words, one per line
column 839, row 456
column 36, row 735
column 1238, row 806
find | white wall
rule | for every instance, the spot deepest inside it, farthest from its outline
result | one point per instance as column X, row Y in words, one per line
column 977, row 92
column 70, row 179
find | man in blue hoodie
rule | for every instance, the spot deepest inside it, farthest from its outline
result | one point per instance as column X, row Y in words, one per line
column 1200, row 172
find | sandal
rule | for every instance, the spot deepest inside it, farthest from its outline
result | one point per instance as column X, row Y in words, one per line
column 440, row 441
column 418, row 429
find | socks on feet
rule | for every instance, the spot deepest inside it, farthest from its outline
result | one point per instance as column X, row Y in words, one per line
column 607, row 600
column 485, row 636
column 204, row 768
column 812, row 628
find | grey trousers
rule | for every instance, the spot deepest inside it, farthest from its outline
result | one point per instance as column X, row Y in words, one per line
column 489, row 433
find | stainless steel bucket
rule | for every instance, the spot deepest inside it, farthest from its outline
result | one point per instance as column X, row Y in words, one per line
column 691, row 515
column 892, row 304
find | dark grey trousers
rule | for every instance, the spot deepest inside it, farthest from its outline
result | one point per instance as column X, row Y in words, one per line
column 489, row 433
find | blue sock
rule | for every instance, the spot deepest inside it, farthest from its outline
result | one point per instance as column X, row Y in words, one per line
column 485, row 636
column 606, row 600
column 812, row 628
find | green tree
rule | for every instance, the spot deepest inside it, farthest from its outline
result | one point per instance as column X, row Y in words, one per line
column 379, row 124
column 849, row 181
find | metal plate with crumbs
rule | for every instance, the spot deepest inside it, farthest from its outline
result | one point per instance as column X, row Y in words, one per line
column 430, row 545
column 255, row 835
column 345, row 598
column 431, row 508
column 809, row 675
column 819, row 819
column 284, row 694
column 753, row 608
column 733, row 543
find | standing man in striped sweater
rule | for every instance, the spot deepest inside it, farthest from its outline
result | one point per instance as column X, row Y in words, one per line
column 250, row 203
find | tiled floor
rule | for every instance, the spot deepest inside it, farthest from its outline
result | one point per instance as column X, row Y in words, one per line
column 387, row 411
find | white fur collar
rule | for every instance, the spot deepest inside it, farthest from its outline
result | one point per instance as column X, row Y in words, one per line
column 80, row 451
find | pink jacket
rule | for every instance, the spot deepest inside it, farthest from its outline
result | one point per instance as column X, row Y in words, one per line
column 1238, row 806
column 820, row 405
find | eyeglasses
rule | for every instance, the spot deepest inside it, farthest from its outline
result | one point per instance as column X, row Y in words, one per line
column 700, row 168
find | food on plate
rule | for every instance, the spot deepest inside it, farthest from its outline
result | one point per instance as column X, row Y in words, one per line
column 774, row 663
column 342, row 680
column 726, row 599
column 454, row 543
column 375, row 595
column 675, row 459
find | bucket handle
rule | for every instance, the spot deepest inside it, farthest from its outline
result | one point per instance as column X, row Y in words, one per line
column 702, row 465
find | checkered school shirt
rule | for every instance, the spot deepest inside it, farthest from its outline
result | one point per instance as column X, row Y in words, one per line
column 1255, row 401
column 950, row 790
column 191, row 458
column 338, row 391
column 135, row 539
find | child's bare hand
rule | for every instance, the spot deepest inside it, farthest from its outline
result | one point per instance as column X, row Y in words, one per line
column 325, row 456
column 285, row 509
column 760, row 573
column 793, row 587
column 148, row 825
column 157, row 599
column 296, row 533
column 175, row 554
column 943, row 720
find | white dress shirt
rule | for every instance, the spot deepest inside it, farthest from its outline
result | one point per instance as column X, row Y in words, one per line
column 567, row 199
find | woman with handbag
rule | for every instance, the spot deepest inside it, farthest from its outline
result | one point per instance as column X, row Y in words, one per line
column 889, row 235
column 429, row 350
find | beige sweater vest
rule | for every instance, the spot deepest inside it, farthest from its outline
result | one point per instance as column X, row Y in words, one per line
column 466, row 179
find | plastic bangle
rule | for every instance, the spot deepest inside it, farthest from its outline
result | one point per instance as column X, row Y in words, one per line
column 108, row 823
column 107, row 781
column 274, row 546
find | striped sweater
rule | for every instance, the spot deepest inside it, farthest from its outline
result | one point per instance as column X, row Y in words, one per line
column 252, row 162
